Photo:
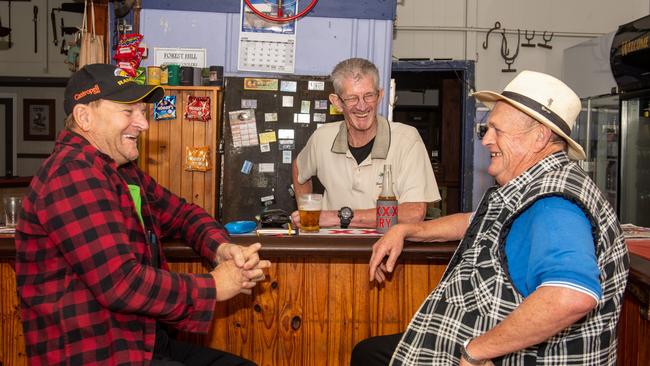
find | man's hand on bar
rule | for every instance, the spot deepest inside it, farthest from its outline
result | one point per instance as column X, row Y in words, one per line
column 390, row 245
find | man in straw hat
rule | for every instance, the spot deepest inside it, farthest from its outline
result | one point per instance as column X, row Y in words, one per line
column 539, row 275
column 92, row 279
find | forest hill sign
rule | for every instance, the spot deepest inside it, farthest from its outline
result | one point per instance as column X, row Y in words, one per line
column 195, row 57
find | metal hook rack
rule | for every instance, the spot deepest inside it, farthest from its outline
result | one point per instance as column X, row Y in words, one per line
column 505, row 51
column 497, row 25
column 528, row 44
column 546, row 40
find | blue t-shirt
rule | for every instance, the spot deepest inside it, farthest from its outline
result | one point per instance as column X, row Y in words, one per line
column 551, row 243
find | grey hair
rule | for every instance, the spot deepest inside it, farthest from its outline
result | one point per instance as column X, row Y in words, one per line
column 70, row 122
column 355, row 68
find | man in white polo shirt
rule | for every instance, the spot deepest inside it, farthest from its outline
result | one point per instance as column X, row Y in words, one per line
column 348, row 157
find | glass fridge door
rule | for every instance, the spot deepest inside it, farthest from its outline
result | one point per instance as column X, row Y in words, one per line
column 635, row 161
column 597, row 131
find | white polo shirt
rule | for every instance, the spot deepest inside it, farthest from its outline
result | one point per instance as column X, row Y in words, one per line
column 327, row 156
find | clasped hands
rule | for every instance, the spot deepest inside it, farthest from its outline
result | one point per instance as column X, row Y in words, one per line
column 238, row 269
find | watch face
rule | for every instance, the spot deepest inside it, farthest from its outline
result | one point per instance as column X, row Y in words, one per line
column 346, row 213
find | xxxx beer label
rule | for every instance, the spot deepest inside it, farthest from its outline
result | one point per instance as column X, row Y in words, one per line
column 386, row 214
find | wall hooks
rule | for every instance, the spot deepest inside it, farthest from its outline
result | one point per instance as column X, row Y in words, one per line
column 497, row 25
column 528, row 44
column 546, row 40
column 505, row 51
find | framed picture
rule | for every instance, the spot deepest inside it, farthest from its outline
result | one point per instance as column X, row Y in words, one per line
column 38, row 119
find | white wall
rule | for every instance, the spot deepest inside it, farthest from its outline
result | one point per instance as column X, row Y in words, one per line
column 20, row 59
column 435, row 29
column 27, row 167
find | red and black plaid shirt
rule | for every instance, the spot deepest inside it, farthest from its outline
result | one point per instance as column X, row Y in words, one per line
column 88, row 292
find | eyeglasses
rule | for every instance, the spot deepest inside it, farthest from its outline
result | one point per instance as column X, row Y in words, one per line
column 354, row 100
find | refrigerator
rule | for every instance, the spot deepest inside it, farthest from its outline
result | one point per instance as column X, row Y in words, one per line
column 630, row 64
column 634, row 193
column 597, row 130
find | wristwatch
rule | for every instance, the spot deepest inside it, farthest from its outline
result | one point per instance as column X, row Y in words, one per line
column 464, row 354
column 345, row 214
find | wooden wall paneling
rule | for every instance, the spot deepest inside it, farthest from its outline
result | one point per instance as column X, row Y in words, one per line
column 163, row 148
column 163, row 139
column 634, row 334
column 291, row 312
column 340, row 318
column 626, row 347
column 12, row 343
column 187, row 139
column 362, row 290
column 174, row 145
column 316, row 322
column 266, row 321
column 241, row 330
column 389, row 302
column 417, row 285
column 199, row 135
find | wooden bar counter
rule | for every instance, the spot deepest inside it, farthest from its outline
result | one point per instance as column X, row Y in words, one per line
column 317, row 301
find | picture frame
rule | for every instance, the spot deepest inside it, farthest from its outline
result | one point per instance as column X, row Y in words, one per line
column 39, row 123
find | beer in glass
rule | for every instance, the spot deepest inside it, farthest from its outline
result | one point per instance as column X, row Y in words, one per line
column 309, row 207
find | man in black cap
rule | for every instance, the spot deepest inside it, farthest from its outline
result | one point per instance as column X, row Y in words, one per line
column 93, row 282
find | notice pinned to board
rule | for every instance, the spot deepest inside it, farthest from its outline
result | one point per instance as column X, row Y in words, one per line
column 243, row 127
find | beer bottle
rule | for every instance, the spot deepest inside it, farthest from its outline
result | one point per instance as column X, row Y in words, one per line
column 386, row 203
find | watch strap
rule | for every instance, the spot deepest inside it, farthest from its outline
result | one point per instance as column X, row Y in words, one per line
column 464, row 354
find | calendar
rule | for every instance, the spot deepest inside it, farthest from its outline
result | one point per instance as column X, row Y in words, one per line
column 266, row 56
column 266, row 46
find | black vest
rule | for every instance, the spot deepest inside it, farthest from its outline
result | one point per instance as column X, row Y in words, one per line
column 476, row 292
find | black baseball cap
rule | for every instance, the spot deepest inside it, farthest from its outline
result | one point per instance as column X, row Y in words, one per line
column 105, row 81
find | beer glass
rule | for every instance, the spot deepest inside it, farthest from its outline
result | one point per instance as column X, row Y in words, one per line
column 12, row 210
column 309, row 207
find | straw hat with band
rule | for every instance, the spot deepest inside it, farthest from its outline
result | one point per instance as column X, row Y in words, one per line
column 108, row 82
column 544, row 98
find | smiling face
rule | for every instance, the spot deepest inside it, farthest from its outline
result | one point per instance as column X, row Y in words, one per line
column 512, row 141
column 113, row 128
column 362, row 116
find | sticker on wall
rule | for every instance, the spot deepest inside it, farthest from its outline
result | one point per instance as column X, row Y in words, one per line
column 260, row 84
column 270, row 117
column 334, row 110
column 287, row 100
column 288, row 86
column 246, row 167
column 197, row 158
column 320, row 104
column 305, row 105
column 286, row 145
column 301, row 118
column 285, row 133
column 198, row 108
column 266, row 167
column 267, row 200
column 265, row 147
column 286, row 157
column 315, row 85
column 320, row 117
column 165, row 108
column 249, row 103
column 267, row 137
